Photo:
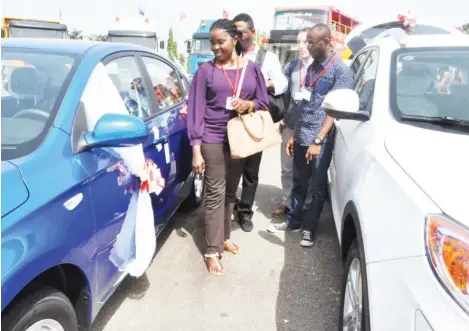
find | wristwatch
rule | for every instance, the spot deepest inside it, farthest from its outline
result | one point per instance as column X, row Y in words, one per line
column 317, row 141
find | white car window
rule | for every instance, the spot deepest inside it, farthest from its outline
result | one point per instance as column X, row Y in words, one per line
column 433, row 83
column 357, row 63
column 366, row 81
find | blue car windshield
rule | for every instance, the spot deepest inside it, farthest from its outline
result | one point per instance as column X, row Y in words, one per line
column 33, row 84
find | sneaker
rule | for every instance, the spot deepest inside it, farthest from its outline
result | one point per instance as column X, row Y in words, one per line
column 284, row 227
column 307, row 239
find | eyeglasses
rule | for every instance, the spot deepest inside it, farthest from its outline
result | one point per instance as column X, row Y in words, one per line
column 243, row 31
column 311, row 43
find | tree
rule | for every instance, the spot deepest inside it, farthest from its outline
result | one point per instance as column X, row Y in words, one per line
column 99, row 37
column 172, row 47
column 465, row 28
column 76, row 34
column 182, row 59
column 260, row 36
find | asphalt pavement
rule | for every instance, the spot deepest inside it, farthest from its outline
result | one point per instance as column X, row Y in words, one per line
column 272, row 285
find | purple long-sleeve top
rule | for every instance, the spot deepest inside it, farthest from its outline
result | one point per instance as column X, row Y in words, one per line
column 207, row 116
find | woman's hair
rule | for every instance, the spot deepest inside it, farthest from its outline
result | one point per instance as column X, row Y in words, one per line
column 230, row 28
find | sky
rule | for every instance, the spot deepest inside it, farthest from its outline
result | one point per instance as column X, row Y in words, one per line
column 98, row 16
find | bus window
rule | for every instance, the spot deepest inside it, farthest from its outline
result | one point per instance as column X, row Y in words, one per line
column 341, row 23
column 201, row 46
column 298, row 19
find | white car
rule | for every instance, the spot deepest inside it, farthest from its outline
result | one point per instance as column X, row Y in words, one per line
column 365, row 33
column 399, row 186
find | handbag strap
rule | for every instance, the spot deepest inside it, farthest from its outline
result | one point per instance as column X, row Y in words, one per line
column 252, row 135
column 241, row 80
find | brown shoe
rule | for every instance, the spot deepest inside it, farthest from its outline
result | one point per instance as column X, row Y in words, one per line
column 280, row 211
column 230, row 247
column 214, row 265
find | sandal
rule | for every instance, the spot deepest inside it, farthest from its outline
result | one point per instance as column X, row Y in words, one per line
column 230, row 247
column 214, row 265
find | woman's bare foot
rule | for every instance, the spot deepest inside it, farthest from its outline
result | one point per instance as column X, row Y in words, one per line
column 214, row 265
column 230, row 247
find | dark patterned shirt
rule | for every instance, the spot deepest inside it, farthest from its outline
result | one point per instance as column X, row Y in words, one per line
column 337, row 76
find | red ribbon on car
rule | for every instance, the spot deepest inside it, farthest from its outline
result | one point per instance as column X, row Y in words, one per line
column 150, row 178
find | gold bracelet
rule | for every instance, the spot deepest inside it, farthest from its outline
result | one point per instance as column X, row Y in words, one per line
column 251, row 106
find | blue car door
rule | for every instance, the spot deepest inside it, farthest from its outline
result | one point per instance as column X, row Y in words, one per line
column 111, row 184
column 168, row 99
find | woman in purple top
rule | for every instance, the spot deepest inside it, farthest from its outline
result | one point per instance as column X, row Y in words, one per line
column 211, row 104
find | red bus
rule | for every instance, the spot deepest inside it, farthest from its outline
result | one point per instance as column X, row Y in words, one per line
column 289, row 20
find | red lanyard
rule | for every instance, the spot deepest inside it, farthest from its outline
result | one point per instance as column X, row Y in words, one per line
column 313, row 81
column 302, row 82
column 234, row 87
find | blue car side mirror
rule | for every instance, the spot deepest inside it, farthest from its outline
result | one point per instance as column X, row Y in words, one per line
column 117, row 130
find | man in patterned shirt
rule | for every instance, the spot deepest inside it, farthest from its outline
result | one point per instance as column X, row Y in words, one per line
column 313, row 141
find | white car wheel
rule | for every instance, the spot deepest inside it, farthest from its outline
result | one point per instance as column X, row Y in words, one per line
column 354, row 295
column 353, row 303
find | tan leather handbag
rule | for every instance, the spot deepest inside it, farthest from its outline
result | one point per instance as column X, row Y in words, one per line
column 252, row 133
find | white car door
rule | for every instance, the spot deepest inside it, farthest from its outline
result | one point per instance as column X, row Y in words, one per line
column 351, row 136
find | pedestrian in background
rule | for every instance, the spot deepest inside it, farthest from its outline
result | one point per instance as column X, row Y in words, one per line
column 277, row 84
column 295, row 71
column 211, row 104
column 312, row 144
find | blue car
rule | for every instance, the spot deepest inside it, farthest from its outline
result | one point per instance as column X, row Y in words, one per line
column 63, row 198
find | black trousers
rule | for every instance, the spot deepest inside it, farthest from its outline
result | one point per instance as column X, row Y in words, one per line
column 249, row 168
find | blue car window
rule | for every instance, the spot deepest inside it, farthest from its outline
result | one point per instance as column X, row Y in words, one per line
column 165, row 81
column 128, row 80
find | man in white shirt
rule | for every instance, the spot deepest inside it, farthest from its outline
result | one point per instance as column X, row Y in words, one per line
column 277, row 84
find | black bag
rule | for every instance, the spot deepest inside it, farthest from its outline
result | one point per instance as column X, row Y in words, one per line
column 278, row 103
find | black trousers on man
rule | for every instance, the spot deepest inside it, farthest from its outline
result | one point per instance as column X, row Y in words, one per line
column 250, row 166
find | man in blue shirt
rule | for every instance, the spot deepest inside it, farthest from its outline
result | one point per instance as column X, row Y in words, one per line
column 313, row 140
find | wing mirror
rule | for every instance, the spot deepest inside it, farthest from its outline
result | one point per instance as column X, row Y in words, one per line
column 344, row 104
column 114, row 130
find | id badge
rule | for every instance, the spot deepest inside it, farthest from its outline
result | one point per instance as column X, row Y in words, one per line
column 228, row 103
column 298, row 96
column 305, row 95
